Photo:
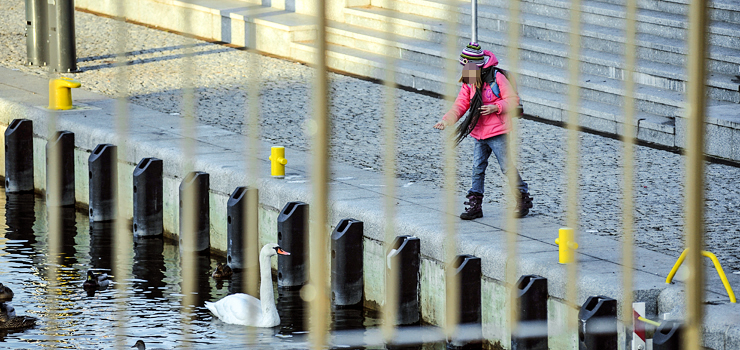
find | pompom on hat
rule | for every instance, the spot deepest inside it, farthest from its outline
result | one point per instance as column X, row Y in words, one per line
column 474, row 54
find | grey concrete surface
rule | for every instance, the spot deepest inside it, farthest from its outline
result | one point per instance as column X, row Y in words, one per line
column 219, row 74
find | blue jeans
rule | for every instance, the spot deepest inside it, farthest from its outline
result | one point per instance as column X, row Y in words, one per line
column 481, row 151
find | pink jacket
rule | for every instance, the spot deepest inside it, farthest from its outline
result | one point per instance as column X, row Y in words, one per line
column 492, row 124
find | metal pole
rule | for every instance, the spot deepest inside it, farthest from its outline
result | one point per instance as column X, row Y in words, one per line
column 62, row 50
column 474, row 21
column 37, row 35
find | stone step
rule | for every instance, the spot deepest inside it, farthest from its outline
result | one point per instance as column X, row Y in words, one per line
column 722, row 60
column 540, row 77
column 649, row 73
column 719, row 10
column 550, row 105
column 648, row 99
column 653, row 22
column 412, row 74
column 593, row 12
column 663, row 76
column 598, row 116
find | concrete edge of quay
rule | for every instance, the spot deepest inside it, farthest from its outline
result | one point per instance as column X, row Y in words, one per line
column 357, row 193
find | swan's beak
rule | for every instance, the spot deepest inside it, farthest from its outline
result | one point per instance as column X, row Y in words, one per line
column 281, row 251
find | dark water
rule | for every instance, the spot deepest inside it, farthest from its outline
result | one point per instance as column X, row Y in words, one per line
column 148, row 308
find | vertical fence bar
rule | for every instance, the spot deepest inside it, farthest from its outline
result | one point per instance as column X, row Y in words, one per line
column 54, row 182
column 250, row 283
column 512, row 227
column 319, row 233
column 122, row 239
column 694, row 205
column 572, row 156
column 390, row 306
column 628, row 164
column 253, row 164
column 55, row 220
column 188, row 257
column 452, row 299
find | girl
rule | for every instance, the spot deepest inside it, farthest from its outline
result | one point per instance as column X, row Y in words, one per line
column 486, row 121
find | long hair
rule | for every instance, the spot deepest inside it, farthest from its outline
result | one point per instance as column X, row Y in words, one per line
column 468, row 124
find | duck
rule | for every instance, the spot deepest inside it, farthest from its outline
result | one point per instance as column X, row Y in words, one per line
column 93, row 281
column 222, row 271
column 140, row 345
column 6, row 294
column 8, row 319
column 244, row 309
column 7, row 310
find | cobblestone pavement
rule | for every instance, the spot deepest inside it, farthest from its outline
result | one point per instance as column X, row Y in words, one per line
column 219, row 73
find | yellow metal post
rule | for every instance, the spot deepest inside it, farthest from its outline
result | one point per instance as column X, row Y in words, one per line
column 60, row 92
column 277, row 162
column 567, row 245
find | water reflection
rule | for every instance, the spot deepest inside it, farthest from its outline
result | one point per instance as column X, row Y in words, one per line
column 203, row 288
column 152, row 297
column 20, row 217
column 202, row 292
column 101, row 245
column 148, row 267
column 344, row 319
column 292, row 310
column 236, row 282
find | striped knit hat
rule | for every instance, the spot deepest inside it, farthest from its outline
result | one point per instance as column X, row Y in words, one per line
column 473, row 53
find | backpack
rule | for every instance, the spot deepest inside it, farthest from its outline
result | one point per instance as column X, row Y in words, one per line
column 497, row 91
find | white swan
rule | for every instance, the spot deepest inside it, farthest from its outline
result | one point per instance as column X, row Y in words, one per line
column 247, row 310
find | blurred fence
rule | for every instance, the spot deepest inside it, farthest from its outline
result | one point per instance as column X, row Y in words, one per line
column 318, row 290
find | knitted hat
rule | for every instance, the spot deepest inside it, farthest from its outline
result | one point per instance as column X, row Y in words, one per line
column 473, row 53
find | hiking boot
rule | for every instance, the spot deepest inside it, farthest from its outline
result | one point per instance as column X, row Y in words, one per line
column 473, row 209
column 523, row 204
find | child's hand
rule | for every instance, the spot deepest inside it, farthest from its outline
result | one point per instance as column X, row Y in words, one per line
column 488, row 109
column 441, row 125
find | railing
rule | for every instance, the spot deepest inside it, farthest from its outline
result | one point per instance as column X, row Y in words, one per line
column 317, row 291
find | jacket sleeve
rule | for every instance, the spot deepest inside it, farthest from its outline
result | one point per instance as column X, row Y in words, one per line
column 461, row 105
column 508, row 95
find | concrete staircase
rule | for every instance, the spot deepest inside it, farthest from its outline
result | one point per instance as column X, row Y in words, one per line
column 357, row 45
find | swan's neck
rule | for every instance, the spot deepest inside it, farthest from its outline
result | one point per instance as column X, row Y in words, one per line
column 267, row 295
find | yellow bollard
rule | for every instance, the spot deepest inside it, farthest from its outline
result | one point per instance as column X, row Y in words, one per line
column 60, row 93
column 717, row 266
column 567, row 247
column 277, row 162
